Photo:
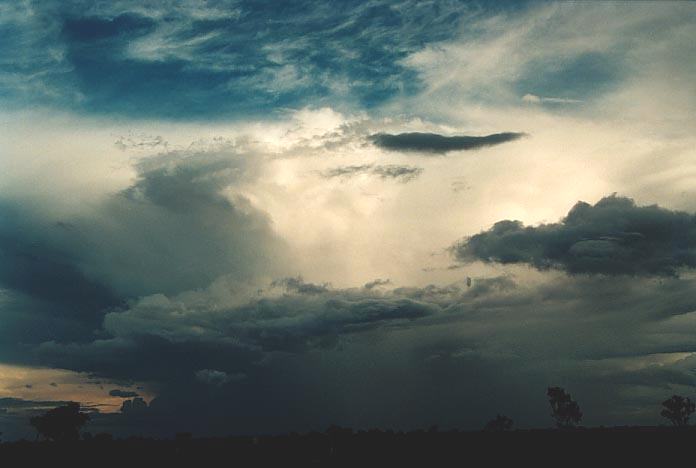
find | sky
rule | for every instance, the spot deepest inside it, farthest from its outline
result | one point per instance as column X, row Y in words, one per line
column 245, row 217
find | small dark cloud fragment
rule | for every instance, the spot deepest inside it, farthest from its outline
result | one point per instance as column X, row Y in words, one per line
column 122, row 393
column 299, row 286
column 613, row 237
column 439, row 144
column 218, row 378
column 140, row 142
column 377, row 283
column 389, row 171
column 11, row 403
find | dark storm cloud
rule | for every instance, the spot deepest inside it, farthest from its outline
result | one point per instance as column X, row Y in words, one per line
column 299, row 286
column 181, row 338
column 439, row 144
column 44, row 293
column 309, row 316
column 390, row 171
column 193, row 59
column 613, row 237
column 122, row 393
column 172, row 230
column 440, row 345
column 33, row 262
column 377, row 283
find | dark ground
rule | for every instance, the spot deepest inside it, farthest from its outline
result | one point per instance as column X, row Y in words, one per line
column 657, row 446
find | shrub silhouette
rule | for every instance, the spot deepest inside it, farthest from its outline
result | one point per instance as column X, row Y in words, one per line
column 500, row 423
column 60, row 424
column 678, row 409
column 564, row 410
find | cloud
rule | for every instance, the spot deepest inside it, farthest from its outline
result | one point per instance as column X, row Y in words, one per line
column 218, row 378
column 534, row 99
column 14, row 404
column 180, row 61
column 178, row 225
column 35, row 264
column 299, row 286
column 377, row 283
column 175, row 254
column 173, row 229
column 391, row 171
column 613, row 237
column 122, row 393
column 499, row 333
column 439, row 144
column 140, row 142
column 305, row 316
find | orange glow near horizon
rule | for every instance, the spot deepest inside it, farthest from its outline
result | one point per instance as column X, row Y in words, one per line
column 42, row 384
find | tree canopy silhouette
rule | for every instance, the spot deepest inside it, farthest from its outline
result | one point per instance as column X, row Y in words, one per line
column 62, row 423
column 500, row 423
column 677, row 409
column 564, row 410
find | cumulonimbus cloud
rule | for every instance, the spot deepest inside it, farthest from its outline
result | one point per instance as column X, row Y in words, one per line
column 612, row 237
column 439, row 144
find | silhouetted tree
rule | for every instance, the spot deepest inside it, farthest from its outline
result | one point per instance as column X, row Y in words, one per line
column 678, row 409
column 564, row 410
column 500, row 423
column 62, row 423
column 135, row 405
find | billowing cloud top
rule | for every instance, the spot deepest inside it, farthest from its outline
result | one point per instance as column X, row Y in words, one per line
column 612, row 237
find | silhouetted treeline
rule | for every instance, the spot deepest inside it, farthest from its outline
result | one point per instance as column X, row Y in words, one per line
column 497, row 443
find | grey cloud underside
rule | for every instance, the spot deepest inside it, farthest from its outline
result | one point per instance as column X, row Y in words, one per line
column 390, row 171
column 612, row 237
column 496, row 333
column 311, row 315
column 439, row 144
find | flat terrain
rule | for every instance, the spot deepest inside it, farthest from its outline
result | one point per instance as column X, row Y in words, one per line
column 653, row 445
